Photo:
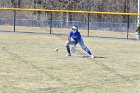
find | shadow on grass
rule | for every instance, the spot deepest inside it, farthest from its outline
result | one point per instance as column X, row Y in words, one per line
column 95, row 57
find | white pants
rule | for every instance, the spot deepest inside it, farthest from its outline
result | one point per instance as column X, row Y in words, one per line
column 71, row 42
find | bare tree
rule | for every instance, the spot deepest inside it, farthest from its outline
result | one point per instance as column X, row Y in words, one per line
column 86, row 5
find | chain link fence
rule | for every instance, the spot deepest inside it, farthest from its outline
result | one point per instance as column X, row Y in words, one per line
column 102, row 25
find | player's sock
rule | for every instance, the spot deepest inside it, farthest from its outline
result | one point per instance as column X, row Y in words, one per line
column 68, row 49
column 88, row 51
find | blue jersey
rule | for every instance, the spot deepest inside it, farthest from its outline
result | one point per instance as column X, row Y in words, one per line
column 76, row 36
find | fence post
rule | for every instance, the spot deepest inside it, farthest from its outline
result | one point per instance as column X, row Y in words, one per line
column 88, row 24
column 51, row 23
column 127, row 26
column 14, row 20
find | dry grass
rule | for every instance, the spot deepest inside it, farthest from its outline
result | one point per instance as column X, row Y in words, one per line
column 29, row 64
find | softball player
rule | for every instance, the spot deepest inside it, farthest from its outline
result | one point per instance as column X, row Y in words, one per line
column 74, row 38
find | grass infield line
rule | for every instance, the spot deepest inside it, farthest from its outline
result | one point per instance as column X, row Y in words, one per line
column 32, row 65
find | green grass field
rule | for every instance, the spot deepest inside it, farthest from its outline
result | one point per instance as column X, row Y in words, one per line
column 30, row 64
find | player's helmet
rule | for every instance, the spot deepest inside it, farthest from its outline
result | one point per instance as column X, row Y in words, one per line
column 74, row 28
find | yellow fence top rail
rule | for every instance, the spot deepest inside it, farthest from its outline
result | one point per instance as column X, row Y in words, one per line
column 71, row 11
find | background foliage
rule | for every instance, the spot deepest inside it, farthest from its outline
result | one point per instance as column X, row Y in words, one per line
column 84, row 5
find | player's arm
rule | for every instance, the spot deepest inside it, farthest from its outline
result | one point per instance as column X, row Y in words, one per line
column 69, row 36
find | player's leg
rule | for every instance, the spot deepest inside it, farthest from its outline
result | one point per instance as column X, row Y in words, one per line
column 68, row 47
column 81, row 42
